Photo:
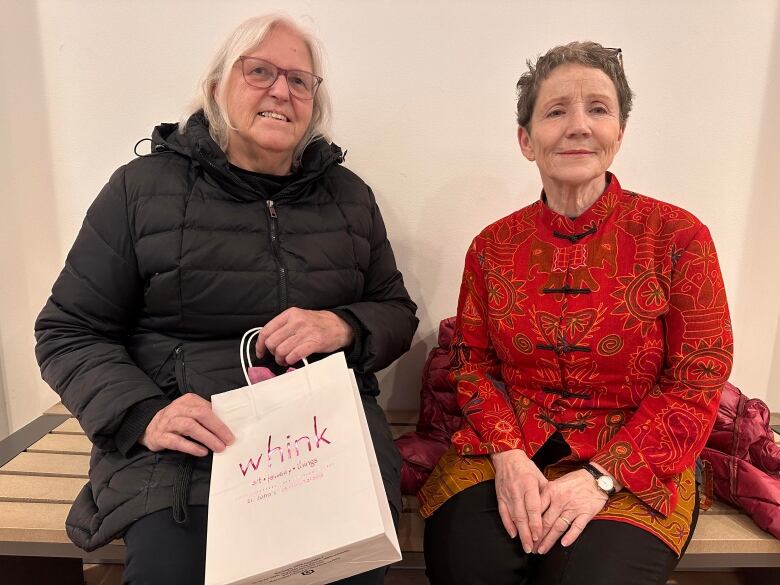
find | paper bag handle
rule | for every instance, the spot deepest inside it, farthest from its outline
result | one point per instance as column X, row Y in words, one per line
column 246, row 358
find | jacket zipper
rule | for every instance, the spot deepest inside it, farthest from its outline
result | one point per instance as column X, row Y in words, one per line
column 183, row 480
column 181, row 370
column 282, row 269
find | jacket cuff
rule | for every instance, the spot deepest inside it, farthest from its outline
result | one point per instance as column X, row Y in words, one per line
column 624, row 461
column 136, row 419
column 355, row 350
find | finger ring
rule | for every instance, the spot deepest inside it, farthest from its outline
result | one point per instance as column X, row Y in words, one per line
column 568, row 522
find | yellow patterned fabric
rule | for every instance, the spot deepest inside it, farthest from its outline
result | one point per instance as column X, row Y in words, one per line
column 455, row 473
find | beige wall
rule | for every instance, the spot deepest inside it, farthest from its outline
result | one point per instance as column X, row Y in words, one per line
column 30, row 245
column 4, row 428
column 423, row 95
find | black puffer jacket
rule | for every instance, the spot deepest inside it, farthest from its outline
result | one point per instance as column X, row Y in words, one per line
column 177, row 257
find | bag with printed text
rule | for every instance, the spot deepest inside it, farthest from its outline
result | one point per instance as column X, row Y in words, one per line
column 298, row 498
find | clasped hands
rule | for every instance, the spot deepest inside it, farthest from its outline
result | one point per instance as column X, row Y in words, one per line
column 542, row 511
column 188, row 424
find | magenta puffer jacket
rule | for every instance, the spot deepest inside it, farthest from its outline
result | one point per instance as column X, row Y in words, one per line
column 439, row 416
column 745, row 459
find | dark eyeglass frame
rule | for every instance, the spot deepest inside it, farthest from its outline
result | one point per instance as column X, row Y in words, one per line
column 618, row 53
column 281, row 71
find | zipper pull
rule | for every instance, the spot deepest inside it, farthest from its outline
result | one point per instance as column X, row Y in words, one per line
column 271, row 208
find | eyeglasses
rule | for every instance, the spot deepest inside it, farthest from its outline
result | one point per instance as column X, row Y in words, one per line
column 262, row 74
column 618, row 53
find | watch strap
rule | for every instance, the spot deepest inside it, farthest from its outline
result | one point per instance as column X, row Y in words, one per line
column 598, row 475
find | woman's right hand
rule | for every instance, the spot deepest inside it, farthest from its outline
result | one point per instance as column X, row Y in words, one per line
column 519, row 486
column 187, row 417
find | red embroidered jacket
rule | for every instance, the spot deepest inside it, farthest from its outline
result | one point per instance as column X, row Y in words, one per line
column 611, row 328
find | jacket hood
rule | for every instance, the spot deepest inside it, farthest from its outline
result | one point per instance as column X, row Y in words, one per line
column 197, row 144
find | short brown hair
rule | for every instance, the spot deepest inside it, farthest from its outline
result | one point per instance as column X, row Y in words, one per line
column 587, row 53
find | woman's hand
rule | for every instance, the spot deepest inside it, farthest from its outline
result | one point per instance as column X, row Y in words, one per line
column 571, row 502
column 187, row 417
column 519, row 484
column 297, row 333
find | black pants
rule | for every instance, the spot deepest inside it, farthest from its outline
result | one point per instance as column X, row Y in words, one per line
column 162, row 552
column 466, row 544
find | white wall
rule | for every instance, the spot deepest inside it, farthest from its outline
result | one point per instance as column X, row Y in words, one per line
column 424, row 99
column 30, row 245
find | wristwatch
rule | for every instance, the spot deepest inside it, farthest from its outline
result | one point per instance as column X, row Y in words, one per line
column 604, row 482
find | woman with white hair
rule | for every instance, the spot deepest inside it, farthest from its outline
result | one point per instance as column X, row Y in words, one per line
column 242, row 216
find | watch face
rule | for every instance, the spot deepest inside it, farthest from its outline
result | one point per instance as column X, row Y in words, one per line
column 605, row 483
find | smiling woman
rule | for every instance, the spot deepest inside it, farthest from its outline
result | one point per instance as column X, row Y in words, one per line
column 268, row 123
column 577, row 131
column 591, row 345
column 242, row 216
column 232, row 86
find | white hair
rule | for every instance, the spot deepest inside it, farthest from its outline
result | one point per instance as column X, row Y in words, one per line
column 211, row 89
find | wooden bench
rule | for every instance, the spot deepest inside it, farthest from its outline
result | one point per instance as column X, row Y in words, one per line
column 44, row 465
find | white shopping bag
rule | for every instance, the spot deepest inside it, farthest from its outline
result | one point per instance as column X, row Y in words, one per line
column 298, row 498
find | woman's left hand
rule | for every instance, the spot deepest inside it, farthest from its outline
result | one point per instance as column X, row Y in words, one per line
column 297, row 333
column 572, row 501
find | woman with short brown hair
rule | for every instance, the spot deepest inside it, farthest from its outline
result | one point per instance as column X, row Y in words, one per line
column 591, row 345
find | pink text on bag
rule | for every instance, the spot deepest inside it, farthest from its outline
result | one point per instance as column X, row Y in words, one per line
column 270, row 452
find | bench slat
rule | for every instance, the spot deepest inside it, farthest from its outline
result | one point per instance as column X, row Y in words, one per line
column 45, row 523
column 48, row 464
column 69, row 427
column 34, row 528
column 715, row 534
column 402, row 417
column 730, row 534
column 58, row 409
column 47, row 490
column 68, row 444
column 26, row 522
column 69, row 438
